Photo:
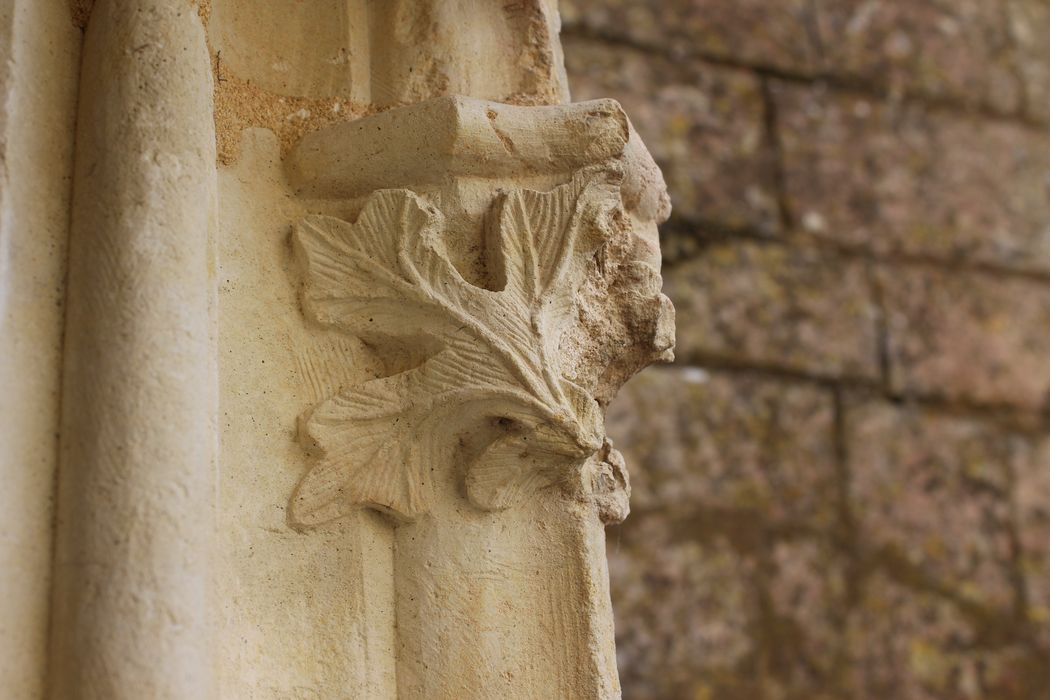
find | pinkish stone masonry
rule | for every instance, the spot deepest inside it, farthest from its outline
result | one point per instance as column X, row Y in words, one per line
column 850, row 496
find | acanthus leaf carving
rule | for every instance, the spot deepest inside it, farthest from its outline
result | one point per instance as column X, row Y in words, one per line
column 493, row 363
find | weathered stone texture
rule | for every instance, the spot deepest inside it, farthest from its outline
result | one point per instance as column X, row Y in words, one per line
column 669, row 580
column 898, row 178
column 734, row 478
column 776, row 306
column 745, row 572
column 803, row 635
column 703, row 125
column 957, row 50
column 907, row 643
column 967, row 336
column 1030, row 24
column 729, row 454
column 751, row 31
column 878, row 525
column 1033, row 512
column 960, row 51
column 931, row 496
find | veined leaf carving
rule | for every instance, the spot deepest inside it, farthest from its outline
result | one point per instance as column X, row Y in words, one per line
column 492, row 364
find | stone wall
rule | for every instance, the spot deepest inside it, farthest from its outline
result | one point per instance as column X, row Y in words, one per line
column 842, row 488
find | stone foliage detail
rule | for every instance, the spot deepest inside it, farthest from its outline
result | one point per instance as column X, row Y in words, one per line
column 480, row 373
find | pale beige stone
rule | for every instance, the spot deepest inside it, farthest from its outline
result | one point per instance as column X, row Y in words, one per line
column 310, row 49
column 395, row 52
column 505, row 51
column 457, row 594
column 477, row 288
column 39, row 50
column 136, row 478
column 497, row 344
column 332, row 415
column 294, row 610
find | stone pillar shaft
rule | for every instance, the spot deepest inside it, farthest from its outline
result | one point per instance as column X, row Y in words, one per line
column 39, row 51
column 486, row 443
column 136, row 494
column 476, row 276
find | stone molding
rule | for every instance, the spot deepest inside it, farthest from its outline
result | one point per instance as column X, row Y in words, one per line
column 503, row 263
column 478, row 279
column 486, row 372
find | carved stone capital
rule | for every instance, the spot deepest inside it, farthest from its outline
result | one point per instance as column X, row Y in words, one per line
column 511, row 284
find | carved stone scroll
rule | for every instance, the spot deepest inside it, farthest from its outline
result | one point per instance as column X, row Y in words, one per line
column 510, row 283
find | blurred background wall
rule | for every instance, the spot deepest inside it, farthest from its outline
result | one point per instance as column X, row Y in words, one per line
column 842, row 487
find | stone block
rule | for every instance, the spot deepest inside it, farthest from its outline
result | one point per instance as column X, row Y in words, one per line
column 930, row 494
column 735, row 491
column 804, row 634
column 893, row 178
column 910, row 644
column 703, row 125
column 967, row 336
column 756, row 32
column 959, row 50
column 723, row 453
column 1030, row 24
column 684, row 612
column 769, row 305
column 1032, row 494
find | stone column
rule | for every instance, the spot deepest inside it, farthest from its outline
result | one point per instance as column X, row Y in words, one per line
column 39, row 51
column 139, row 433
column 511, row 283
column 495, row 261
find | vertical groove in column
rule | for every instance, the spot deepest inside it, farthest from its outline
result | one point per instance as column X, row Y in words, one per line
column 136, row 489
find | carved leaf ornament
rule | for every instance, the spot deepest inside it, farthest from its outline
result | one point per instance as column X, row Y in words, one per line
column 492, row 370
